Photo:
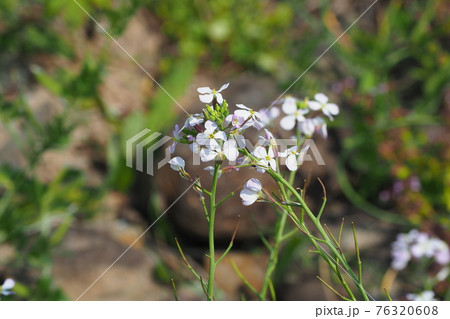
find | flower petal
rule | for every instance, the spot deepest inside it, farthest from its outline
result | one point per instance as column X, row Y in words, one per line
column 242, row 106
column 177, row 163
column 315, row 106
column 289, row 105
column 207, row 98
column 253, row 184
column 230, row 150
column 220, row 136
column 207, row 155
column 219, row 98
column 204, row 90
column 260, row 152
column 248, row 197
column 320, row 97
column 291, row 162
column 210, row 126
column 333, row 108
column 223, row 87
column 288, row 122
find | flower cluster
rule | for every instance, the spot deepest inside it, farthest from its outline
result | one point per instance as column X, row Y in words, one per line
column 215, row 134
column 418, row 245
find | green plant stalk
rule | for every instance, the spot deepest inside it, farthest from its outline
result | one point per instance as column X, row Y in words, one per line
column 212, row 215
column 273, row 256
column 321, row 230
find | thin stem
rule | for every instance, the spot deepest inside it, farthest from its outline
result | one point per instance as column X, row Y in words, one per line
column 332, row 289
column 244, row 280
column 321, row 230
column 223, row 200
column 231, row 241
column 174, row 288
column 273, row 255
column 212, row 215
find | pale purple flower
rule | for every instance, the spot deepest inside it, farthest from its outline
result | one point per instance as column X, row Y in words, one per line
column 177, row 164
column 321, row 103
column 252, row 117
column 235, row 120
column 208, row 94
column 251, row 192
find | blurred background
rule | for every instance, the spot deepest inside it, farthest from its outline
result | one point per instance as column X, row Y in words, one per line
column 70, row 98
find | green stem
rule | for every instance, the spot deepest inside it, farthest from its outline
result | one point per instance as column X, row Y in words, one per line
column 321, row 230
column 212, row 215
column 273, row 256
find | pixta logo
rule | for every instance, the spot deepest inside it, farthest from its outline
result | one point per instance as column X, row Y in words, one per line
column 143, row 146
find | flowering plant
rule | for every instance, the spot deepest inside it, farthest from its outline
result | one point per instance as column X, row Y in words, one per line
column 216, row 135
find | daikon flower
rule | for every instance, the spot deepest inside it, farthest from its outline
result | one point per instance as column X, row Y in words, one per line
column 294, row 158
column 235, row 120
column 251, row 192
column 209, row 137
column 266, row 158
column 208, row 94
column 229, row 152
column 252, row 117
column 294, row 114
column 321, row 103
column 177, row 164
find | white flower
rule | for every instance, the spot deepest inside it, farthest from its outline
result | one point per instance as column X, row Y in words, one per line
column 7, row 286
column 329, row 109
column 251, row 192
column 252, row 117
column 269, row 115
column 208, row 94
column 426, row 295
column 177, row 164
column 269, row 140
column 294, row 114
column 266, row 158
column 229, row 152
column 209, row 137
column 293, row 157
column 310, row 126
column 176, row 136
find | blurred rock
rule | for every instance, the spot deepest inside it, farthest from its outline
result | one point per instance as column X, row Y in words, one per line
column 86, row 254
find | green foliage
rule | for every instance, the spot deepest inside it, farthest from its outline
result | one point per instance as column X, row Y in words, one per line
column 401, row 72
